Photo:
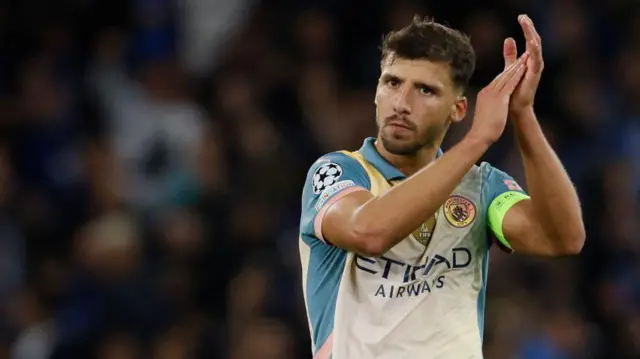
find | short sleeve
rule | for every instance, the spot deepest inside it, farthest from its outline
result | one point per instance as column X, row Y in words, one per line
column 500, row 192
column 330, row 178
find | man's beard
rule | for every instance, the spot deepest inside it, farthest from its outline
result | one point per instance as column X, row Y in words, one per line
column 411, row 147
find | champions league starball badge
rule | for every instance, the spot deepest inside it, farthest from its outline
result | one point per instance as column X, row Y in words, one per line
column 325, row 176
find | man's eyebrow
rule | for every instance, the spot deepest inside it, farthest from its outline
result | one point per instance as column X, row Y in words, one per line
column 435, row 86
column 389, row 76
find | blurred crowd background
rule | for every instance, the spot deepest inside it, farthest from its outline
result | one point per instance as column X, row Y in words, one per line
column 152, row 156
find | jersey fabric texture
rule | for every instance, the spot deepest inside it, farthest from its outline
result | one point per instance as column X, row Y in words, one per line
column 424, row 298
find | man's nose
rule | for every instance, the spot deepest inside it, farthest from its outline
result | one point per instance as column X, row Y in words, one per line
column 402, row 103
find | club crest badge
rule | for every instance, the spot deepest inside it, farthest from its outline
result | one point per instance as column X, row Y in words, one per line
column 460, row 212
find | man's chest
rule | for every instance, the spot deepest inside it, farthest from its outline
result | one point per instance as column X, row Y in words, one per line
column 432, row 249
column 446, row 249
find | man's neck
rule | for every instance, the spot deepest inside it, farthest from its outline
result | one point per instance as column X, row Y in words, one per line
column 408, row 164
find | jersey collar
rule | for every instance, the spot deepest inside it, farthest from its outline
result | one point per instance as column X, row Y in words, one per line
column 389, row 171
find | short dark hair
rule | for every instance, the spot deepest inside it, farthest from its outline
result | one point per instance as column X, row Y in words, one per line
column 426, row 39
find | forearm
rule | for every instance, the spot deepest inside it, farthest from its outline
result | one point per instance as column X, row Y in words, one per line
column 391, row 217
column 554, row 199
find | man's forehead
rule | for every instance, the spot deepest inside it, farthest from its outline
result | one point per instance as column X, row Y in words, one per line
column 418, row 69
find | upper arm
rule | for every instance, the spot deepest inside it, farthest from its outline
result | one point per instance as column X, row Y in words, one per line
column 335, row 187
column 508, row 209
column 511, row 216
column 525, row 233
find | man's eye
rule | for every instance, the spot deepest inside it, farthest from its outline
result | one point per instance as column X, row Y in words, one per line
column 393, row 83
column 426, row 91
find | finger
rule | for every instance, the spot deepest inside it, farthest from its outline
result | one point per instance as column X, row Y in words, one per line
column 534, row 31
column 530, row 34
column 504, row 73
column 510, row 71
column 527, row 27
column 536, row 48
column 516, row 76
column 536, row 63
column 510, row 52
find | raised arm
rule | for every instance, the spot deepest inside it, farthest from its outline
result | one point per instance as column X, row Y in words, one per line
column 550, row 222
column 370, row 225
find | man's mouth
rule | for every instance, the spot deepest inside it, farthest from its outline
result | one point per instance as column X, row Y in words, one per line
column 399, row 122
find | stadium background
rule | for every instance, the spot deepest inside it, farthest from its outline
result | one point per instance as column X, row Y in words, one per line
column 152, row 155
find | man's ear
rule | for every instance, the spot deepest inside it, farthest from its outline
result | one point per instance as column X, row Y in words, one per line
column 459, row 109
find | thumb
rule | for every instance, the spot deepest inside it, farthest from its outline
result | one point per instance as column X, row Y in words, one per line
column 510, row 51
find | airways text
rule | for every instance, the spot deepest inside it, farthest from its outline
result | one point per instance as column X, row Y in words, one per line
column 413, row 280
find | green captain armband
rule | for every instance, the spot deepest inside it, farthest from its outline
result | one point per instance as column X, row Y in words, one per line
column 498, row 209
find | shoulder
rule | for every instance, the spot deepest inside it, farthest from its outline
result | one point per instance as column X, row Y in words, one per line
column 486, row 168
column 494, row 177
column 329, row 178
column 334, row 168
